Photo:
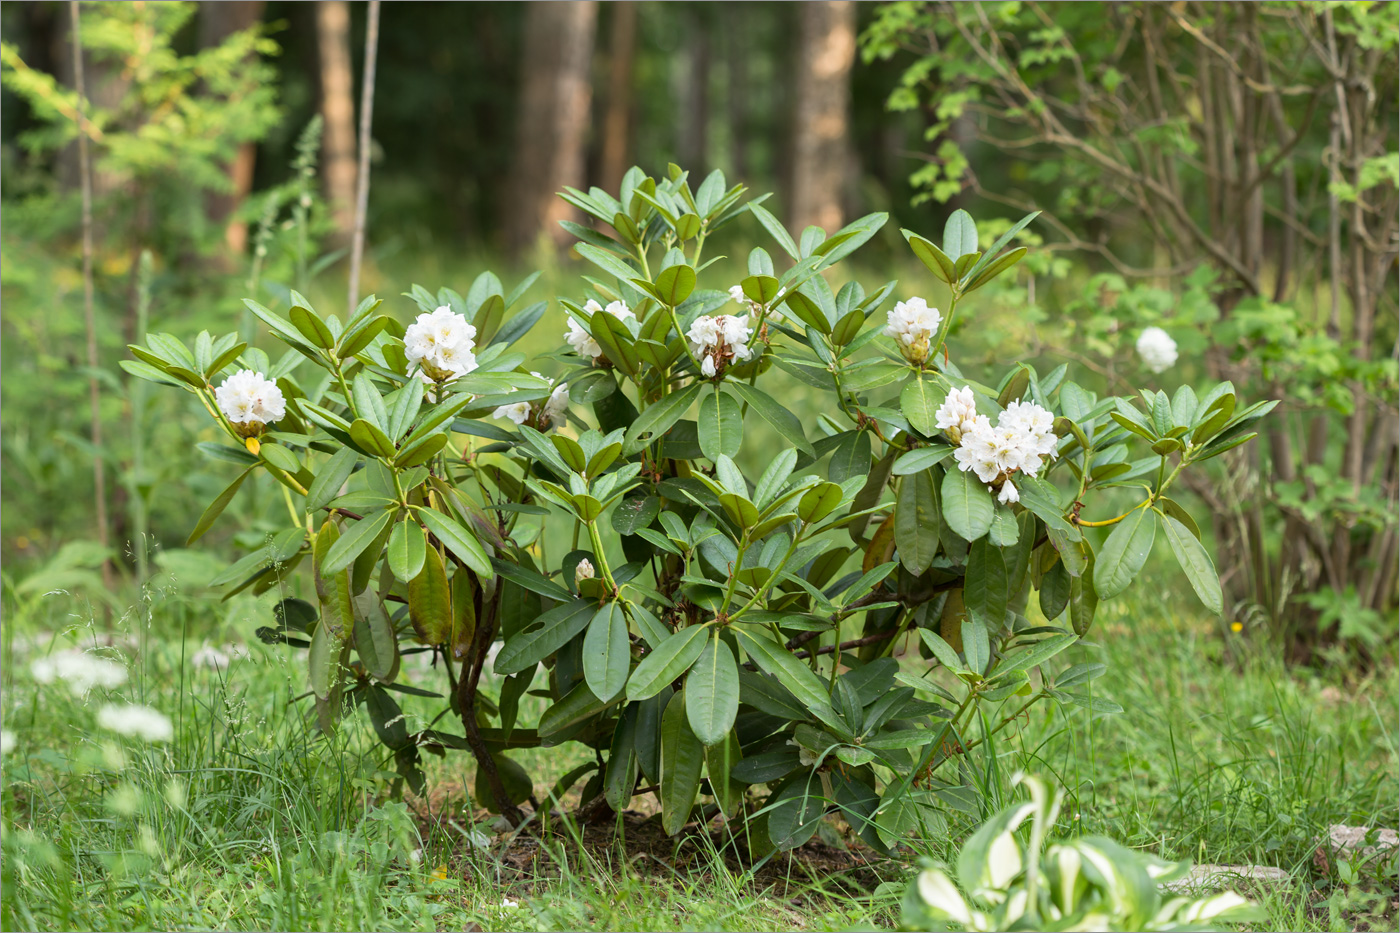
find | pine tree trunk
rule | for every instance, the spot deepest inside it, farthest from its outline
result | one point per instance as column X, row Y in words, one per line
column 218, row 21
column 821, row 149
column 617, row 120
column 553, row 119
column 337, row 114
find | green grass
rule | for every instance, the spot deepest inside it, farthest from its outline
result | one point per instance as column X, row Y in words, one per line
column 250, row 820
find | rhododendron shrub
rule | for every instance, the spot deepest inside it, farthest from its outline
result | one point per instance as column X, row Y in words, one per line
column 708, row 584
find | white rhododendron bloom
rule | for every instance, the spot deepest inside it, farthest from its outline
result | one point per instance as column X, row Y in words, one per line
column 441, row 344
column 79, row 670
column 519, row 412
column 549, row 413
column 717, row 339
column 957, row 413
column 1157, row 349
column 736, row 293
column 139, row 722
column 250, row 401
column 218, row 658
column 912, row 324
column 556, row 405
column 584, row 571
column 7, row 741
column 581, row 340
column 1022, row 439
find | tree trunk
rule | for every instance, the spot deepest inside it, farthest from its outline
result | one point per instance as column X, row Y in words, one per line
column 218, row 21
column 737, row 87
column 821, row 154
column 552, row 124
column 617, row 120
column 693, row 95
column 337, row 114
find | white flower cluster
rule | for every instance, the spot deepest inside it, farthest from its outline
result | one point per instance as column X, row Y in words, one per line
column 441, row 344
column 218, row 658
column 140, row 722
column 581, row 340
column 736, row 292
column 912, row 324
column 715, row 340
column 1157, row 349
column 1021, row 440
column 80, row 670
column 551, row 412
column 250, row 401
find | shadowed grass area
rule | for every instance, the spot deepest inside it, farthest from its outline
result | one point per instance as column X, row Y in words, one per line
column 249, row 819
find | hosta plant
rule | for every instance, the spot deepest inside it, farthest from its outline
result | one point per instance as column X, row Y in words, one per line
column 705, row 581
column 1086, row 883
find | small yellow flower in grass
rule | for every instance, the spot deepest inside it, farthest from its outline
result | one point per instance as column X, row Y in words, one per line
column 1237, row 627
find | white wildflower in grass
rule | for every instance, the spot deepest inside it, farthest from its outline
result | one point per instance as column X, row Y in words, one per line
column 509, row 904
column 1022, row 439
column 138, row 722
column 581, row 340
column 717, row 340
column 913, row 324
column 7, row 742
column 957, row 413
column 79, row 670
column 584, row 571
column 209, row 656
column 441, row 344
column 250, row 402
column 1157, row 349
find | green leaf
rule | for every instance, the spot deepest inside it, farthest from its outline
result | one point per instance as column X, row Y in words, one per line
column 1192, row 556
column 917, row 522
column 660, row 416
column 1038, row 653
column 332, row 477
column 458, row 540
column 931, row 256
column 819, row 502
column 682, row 758
column 721, row 425
column 407, row 547
column 430, row 601
column 1124, row 553
column 374, row 637
column 959, row 235
column 606, row 261
column 850, row 458
column 775, row 229
column 712, row 693
column 985, row 588
column 607, row 654
column 919, row 400
column 371, row 439
column 620, row 778
column 942, row 650
column 312, row 327
column 797, row 677
column 720, row 761
column 967, row 505
column 358, row 537
column 920, row 459
column 548, row 634
column 782, row 420
column 672, row 658
column 576, row 706
column 674, row 284
column 1083, row 601
column 216, row 508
